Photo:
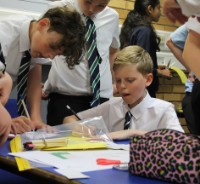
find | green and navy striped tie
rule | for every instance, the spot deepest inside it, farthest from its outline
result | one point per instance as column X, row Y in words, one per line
column 22, row 81
column 94, row 60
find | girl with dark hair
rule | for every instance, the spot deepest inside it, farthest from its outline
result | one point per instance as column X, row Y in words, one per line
column 138, row 30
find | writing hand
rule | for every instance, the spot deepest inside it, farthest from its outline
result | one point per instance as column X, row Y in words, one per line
column 21, row 124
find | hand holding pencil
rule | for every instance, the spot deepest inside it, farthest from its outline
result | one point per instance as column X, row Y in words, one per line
column 22, row 124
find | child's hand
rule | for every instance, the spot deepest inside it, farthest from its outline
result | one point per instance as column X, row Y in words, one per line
column 44, row 94
column 165, row 72
column 21, row 124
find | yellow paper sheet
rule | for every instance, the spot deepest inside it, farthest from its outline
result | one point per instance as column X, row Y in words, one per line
column 15, row 146
column 73, row 143
column 79, row 143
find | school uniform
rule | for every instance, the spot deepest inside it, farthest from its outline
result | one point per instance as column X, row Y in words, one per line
column 178, row 37
column 142, row 36
column 72, row 87
column 191, row 8
column 14, row 39
column 150, row 114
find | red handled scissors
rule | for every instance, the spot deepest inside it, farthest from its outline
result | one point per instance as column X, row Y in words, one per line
column 104, row 161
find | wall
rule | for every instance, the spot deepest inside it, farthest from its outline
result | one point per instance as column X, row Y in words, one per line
column 124, row 6
column 121, row 6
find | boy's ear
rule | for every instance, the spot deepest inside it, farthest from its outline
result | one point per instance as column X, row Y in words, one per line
column 149, row 79
column 43, row 23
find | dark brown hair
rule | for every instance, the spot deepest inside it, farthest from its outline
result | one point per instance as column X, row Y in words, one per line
column 138, row 17
column 67, row 22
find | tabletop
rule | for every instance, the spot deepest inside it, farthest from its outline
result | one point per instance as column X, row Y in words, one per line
column 9, row 172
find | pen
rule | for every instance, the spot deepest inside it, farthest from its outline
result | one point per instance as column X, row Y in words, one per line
column 73, row 112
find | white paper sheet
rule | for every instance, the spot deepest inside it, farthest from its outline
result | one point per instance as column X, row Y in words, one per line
column 81, row 161
column 71, row 174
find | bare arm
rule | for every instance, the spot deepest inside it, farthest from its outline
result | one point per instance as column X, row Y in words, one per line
column 34, row 95
column 5, row 124
column 177, row 53
column 5, row 87
column 191, row 53
column 125, row 134
column 70, row 119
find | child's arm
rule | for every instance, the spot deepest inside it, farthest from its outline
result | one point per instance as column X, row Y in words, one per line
column 5, row 87
column 125, row 134
column 34, row 95
column 5, row 124
column 70, row 119
column 21, row 124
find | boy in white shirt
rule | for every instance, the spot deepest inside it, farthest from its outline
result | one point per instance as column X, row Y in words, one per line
column 72, row 87
column 60, row 31
column 133, row 73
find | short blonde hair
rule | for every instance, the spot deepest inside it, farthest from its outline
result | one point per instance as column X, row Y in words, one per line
column 134, row 55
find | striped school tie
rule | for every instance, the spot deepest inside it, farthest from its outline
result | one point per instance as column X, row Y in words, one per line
column 22, row 81
column 94, row 60
column 127, row 122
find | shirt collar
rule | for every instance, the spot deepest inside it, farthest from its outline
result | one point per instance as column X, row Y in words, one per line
column 24, row 41
column 138, row 109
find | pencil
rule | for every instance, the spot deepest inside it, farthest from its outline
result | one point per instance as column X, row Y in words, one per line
column 25, row 109
column 73, row 112
column 46, row 143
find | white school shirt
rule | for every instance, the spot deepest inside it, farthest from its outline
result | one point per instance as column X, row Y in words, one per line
column 14, row 39
column 76, row 81
column 189, row 8
column 150, row 114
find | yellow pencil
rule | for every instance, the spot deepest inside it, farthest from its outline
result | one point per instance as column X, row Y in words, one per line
column 45, row 143
column 25, row 109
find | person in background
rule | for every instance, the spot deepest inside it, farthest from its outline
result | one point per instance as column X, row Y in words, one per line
column 65, row 87
column 60, row 31
column 180, row 10
column 135, row 112
column 137, row 29
column 176, row 43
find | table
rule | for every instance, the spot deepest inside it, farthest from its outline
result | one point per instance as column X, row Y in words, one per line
column 9, row 172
